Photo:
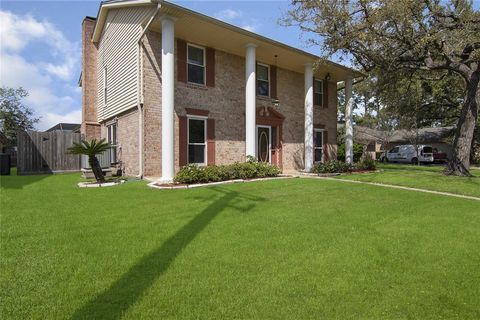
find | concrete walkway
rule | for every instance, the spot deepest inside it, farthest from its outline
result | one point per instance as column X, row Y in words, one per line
column 394, row 187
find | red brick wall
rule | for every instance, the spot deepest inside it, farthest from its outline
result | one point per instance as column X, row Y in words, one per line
column 226, row 104
column 89, row 127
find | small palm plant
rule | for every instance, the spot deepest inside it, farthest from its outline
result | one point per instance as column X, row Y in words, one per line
column 91, row 149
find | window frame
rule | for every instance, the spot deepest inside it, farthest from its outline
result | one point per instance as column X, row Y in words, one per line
column 198, row 65
column 268, row 81
column 315, row 93
column 112, row 140
column 105, row 86
column 204, row 119
column 315, row 147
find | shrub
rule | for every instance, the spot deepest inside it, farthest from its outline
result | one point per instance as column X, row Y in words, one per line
column 367, row 163
column 249, row 170
column 331, row 166
column 191, row 173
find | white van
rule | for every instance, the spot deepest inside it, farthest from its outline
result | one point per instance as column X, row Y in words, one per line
column 407, row 154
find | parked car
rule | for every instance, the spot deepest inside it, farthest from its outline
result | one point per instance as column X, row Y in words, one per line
column 408, row 154
column 439, row 156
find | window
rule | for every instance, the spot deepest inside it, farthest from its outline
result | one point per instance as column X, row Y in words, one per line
column 318, row 92
column 263, row 80
column 196, row 64
column 318, row 145
column 105, row 87
column 197, row 145
column 112, row 140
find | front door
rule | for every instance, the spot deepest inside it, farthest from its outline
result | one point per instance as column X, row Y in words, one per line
column 264, row 147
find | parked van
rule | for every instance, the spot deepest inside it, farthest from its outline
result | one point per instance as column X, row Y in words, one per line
column 408, row 154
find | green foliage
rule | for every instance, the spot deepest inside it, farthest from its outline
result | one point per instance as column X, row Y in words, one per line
column 89, row 148
column 14, row 115
column 251, row 169
column 367, row 163
column 331, row 166
column 132, row 249
column 357, row 152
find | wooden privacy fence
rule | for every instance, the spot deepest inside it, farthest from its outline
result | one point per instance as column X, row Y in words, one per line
column 46, row 152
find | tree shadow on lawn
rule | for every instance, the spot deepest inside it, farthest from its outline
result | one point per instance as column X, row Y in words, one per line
column 116, row 300
column 14, row 181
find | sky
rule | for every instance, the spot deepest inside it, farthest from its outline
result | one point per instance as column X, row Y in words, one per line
column 40, row 46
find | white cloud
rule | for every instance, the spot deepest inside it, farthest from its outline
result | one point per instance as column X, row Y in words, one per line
column 45, row 79
column 16, row 32
column 228, row 14
column 51, row 119
column 249, row 27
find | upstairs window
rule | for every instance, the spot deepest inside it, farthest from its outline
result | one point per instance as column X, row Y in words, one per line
column 105, row 86
column 263, row 80
column 318, row 92
column 196, row 64
column 112, row 140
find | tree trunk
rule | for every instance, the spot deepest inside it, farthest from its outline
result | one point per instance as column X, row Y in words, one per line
column 97, row 169
column 459, row 165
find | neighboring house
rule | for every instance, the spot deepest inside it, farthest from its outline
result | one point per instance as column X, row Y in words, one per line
column 440, row 138
column 168, row 86
column 372, row 139
column 65, row 127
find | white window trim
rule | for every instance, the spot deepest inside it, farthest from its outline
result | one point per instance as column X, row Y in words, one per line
column 189, row 117
column 269, row 80
column 315, row 92
column 321, row 148
column 269, row 141
column 110, row 137
column 196, row 64
column 105, row 86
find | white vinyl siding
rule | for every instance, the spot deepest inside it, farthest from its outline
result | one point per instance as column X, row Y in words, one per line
column 118, row 51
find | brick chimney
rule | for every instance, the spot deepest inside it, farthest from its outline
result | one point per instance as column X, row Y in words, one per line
column 90, row 127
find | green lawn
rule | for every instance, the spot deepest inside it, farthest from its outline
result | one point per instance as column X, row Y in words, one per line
column 423, row 177
column 284, row 249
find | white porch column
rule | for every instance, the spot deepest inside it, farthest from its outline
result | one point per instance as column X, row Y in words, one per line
column 168, row 93
column 250, row 99
column 348, row 121
column 308, row 117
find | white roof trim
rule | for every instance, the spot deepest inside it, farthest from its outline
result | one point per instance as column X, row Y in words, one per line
column 104, row 6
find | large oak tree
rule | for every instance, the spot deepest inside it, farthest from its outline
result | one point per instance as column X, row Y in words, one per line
column 401, row 35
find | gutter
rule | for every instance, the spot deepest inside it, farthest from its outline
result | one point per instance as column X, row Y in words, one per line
column 140, row 92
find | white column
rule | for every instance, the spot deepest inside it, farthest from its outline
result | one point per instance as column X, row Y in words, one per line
column 168, row 94
column 348, row 121
column 250, row 99
column 308, row 117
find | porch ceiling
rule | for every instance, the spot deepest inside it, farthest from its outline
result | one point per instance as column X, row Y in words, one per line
column 203, row 30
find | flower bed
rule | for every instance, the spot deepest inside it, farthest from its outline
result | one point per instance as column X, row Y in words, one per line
column 252, row 169
column 335, row 166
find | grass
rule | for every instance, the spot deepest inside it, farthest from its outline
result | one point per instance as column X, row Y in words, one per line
column 283, row 249
column 422, row 177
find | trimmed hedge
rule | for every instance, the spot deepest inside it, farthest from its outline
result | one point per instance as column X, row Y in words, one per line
column 331, row 166
column 251, row 169
column 335, row 166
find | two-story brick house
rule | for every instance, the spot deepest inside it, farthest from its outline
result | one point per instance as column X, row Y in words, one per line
column 168, row 86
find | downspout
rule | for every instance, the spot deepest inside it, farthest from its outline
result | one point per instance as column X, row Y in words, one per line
column 140, row 92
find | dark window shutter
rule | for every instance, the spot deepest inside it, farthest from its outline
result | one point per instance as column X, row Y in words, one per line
column 326, row 156
column 182, row 137
column 273, row 82
column 325, row 93
column 210, row 67
column 210, row 142
column 181, row 61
